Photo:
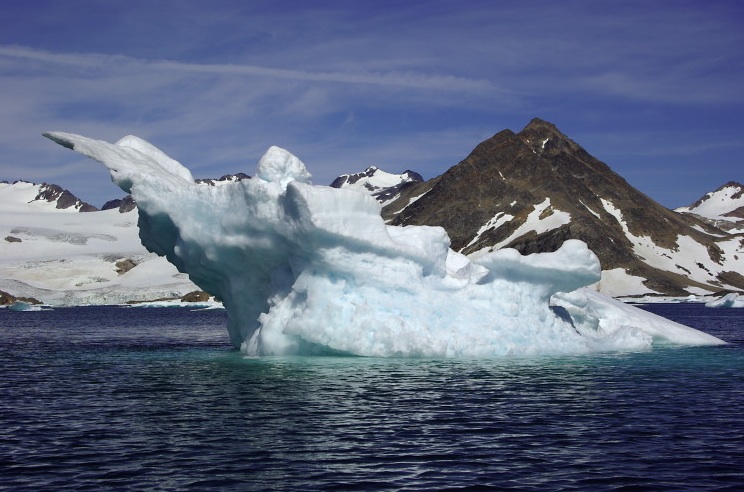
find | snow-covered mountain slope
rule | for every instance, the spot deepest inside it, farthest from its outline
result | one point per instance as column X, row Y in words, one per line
column 62, row 257
column 724, row 206
column 49, row 194
column 535, row 189
column 384, row 187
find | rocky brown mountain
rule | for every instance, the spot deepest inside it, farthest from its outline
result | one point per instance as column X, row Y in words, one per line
column 63, row 198
column 535, row 189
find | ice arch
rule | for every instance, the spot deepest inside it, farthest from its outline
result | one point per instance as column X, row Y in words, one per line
column 313, row 269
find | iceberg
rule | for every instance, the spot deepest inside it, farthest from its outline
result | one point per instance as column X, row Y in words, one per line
column 731, row 300
column 305, row 269
column 23, row 306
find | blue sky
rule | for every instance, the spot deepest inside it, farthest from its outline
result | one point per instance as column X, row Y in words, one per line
column 653, row 88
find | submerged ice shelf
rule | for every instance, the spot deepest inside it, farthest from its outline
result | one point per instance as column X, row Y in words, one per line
column 314, row 269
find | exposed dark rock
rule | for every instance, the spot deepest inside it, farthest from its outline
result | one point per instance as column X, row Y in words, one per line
column 732, row 278
column 382, row 194
column 124, row 205
column 512, row 173
column 223, row 179
column 8, row 299
column 196, row 296
column 737, row 213
column 123, row 266
column 65, row 199
column 13, row 239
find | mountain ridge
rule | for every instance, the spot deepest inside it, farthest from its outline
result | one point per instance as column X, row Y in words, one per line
column 535, row 189
column 721, row 206
column 530, row 190
column 54, row 194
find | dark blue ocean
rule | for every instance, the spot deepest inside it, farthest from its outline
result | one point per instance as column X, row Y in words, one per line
column 107, row 398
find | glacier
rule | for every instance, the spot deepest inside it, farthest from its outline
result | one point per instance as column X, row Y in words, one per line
column 306, row 269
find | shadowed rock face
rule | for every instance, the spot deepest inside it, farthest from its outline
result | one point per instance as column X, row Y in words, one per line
column 512, row 173
column 65, row 199
column 8, row 299
column 124, row 205
column 227, row 178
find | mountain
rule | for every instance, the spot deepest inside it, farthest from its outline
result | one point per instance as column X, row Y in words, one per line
column 530, row 190
column 227, row 178
column 383, row 186
column 535, row 189
column 52, row 253
column 723, row 207
column 49, row 193
column 124, row 205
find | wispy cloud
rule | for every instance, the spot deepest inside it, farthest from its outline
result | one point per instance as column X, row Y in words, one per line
column 348, row 84
column 394, row 79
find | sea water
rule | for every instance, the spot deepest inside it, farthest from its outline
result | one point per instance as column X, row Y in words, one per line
column 115, row 398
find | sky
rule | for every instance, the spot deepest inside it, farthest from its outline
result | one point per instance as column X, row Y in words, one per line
column 655, row 89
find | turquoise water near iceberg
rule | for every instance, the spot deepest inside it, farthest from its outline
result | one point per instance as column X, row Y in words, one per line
column 111, row 398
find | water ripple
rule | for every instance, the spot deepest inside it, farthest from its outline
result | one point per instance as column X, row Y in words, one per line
column 91, row 402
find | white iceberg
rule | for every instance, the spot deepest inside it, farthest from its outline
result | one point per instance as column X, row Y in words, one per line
column 314, row 269
column 731, row 300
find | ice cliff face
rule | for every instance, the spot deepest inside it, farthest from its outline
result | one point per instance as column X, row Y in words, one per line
column 312, row 269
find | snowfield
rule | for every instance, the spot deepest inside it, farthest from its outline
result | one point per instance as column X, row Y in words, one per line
column 64, row 257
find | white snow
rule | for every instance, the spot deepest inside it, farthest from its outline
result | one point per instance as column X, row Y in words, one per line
column 494, row 222
column 377, row 181
column 690, row 258
column 413, row 199
column 717, row 203
column 535, row 223
column 65, row 257
column 312, row 269
column 590, row 210
column 619, row 283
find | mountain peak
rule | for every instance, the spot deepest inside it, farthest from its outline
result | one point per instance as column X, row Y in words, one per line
column 544, row 137
column 726, row 203
column 535, row 189
column 381, row 185
column 538, row 124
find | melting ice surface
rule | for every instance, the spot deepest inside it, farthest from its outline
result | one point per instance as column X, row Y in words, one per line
column 313, row 269
column 731, row 300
